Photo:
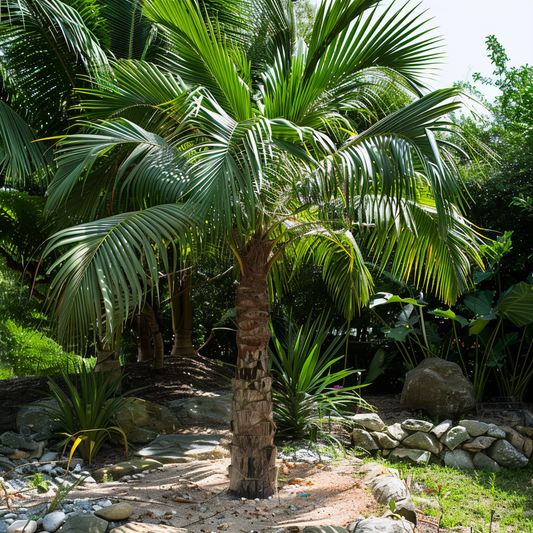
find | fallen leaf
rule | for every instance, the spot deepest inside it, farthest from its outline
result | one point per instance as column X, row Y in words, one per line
column 182, row 500
column 223, row 527
column 320, row 465
column 296, row 481
column 293, row 529
column 285, row 469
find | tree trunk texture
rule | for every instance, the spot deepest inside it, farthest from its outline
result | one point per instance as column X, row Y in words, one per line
column 181, row 306
column 107, row 355
column 145, row 351
column 253, row 472
column 157, row 337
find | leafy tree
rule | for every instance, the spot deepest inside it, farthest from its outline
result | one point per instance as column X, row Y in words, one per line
column 267, row 144
column 493, row 185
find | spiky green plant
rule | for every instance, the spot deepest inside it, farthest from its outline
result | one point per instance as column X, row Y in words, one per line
column 304, row 379
column 87, row 415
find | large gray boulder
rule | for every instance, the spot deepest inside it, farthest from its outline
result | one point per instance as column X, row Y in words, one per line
column 440, row 388
column 204, row 410
column 37, row 415
column 143, row 421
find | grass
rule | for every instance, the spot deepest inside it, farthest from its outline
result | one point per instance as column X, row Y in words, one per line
column 468, row 497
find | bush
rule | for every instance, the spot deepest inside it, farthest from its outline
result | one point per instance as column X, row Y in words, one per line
column 87, row 415
column 305, row 385
column 28, row 352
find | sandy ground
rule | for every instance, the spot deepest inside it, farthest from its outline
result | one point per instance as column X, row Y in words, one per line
column 194, row 496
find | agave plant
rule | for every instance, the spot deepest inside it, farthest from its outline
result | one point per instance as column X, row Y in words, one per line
column 86, row 416
column 305, row 384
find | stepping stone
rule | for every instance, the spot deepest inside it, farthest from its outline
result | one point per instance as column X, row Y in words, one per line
column 324, row 529
column 138, row 527
column 20, row 526
column 118, row 511
column 126, row 468
column 179, row 448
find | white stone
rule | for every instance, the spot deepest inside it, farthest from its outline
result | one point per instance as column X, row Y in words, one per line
column 54, row 520
column 20, row 526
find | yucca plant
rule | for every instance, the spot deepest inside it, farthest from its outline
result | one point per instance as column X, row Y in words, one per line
column 87, row 415
column 305, row 385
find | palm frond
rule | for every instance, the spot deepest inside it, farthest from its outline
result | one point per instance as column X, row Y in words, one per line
column 110, row 264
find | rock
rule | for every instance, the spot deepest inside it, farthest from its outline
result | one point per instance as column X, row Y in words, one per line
column 474, row 427
column 458, row 459
column 5, row 464
column 126, row 468
column 397, row 432
column 181, row 448
column 387, row 488
column 143, row 421
column 423, row 441
column 201, row 410
column 417, row 425
column 36, row 454
column 440, row 387
column 442, row 428
column 455, row 436
column 86, row 523
column 527, row 448
column 138, row 527
column 22, row 526
column 524, row 431
column 36, row 415
column 117, row 511
column 381, row 525
column 495, row 431
column 53, row 521
column 513, row 437
column 374, row 470
column 362, row 439
column 483, row 462
column 18, row 454
column 415, row 457
column 18, row 441
column 369, row 421
column 478, row 444
column 507, row 455
column 6, row 450
column 49, row 456
column 324, row 529
column 384, row 440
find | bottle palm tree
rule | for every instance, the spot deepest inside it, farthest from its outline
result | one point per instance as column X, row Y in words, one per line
column 253, row 138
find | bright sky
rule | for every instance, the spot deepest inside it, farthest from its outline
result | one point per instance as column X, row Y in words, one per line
column 465, row 23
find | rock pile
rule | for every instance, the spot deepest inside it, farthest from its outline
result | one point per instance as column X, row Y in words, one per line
column 468, row 445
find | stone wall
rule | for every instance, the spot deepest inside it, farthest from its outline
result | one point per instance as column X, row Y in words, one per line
column 470, row 444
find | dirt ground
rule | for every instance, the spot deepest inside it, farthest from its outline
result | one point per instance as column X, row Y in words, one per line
column 195, row 495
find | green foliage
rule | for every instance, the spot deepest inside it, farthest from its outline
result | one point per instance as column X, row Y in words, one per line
column 303, row 362
column 38, row 482
column 86, row 415
column 28, row 352
column 466, row 498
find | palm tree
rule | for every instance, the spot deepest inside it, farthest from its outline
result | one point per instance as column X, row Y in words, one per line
column 258, row 140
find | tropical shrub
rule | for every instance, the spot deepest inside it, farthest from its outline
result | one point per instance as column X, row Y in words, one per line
column 27, row 352
column 86, row 415
column 306, row 387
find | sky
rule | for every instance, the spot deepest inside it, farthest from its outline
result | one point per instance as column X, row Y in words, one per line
column 465, row 24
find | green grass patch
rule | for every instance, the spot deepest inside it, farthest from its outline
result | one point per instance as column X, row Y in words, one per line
column 466, row 498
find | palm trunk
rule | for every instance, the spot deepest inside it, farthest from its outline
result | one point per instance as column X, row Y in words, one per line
column 159, row 347
column 107, row 359
column 253, row 470
column 145, row 352
column 181, row 306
